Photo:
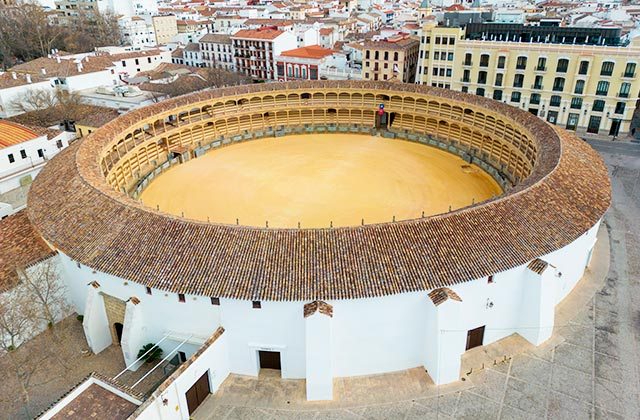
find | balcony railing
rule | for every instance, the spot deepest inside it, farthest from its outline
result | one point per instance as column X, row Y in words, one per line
column 628, row 75
column 541, row 68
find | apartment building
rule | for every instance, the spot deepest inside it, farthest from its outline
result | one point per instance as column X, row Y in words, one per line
column 586, row 88
column 165, row 28
column 393, row 59
column 217, row 51
column 70, row 10
column 255, row 51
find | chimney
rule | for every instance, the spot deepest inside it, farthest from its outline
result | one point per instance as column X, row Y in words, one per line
column 44, row 71
column 28, row 78
column 14, row 75
column 58, row 59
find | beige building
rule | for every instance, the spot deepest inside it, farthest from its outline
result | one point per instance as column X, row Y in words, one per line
column 584, row 88
column 392, row 59
column 166, row 27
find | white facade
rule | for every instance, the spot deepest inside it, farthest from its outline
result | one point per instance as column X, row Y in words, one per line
column 21, row 162
column 362, row 337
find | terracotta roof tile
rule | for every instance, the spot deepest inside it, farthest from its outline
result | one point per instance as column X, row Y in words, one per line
column 443, row 294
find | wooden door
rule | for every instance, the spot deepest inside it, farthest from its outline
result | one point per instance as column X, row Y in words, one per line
column 475, row 337
column 270, row 360
column 198, row 392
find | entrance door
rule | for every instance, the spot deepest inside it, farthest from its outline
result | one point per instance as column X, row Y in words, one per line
column 198, row 392
column 118, row 327
column 475, row 337
column 269, row 359
column 572, row 121
column 615, row 127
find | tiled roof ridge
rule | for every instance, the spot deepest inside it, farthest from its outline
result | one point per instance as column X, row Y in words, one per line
column 443, row 294
column 317, row 306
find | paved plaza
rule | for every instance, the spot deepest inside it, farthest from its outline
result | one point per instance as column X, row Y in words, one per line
column 589, row 369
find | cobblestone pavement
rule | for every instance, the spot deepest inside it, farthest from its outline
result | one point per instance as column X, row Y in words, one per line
column 591, row 373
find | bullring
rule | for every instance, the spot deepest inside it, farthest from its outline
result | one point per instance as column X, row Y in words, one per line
column 401, row 294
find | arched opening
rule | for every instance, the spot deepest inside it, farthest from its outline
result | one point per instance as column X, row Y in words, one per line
column 118, row 327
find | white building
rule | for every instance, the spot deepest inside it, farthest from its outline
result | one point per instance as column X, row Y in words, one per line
column 136, row 32
column 24, row 151
column 256, row 51
column 217, row 51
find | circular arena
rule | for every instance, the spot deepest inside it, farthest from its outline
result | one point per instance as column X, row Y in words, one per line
column 455, row 221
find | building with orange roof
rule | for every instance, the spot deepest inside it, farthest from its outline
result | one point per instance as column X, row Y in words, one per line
column 302, row 63
column 24, row 151
column 255, row 51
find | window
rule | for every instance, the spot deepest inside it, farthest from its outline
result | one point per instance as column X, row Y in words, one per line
column 558, row 84
column 584, row 67
column 619, row 108
column 438, row 40
column 41, row 153
column 482, row 77
column 594, row 124
column 518, row 80
column 256, row 304
column 137, row 62
column 625, row 89
column 563, row 65
column 497, row 95
column 521, row 63
column 515, row 96
column 445, row 40
column 436, row 55
column 11, row 158
column 501, row 61
column 555, row 100
column 607, row 68
column 579, row 87
column 395, row 56
column 630, row 70
column 124, row 63
column 576, row 103
column 215, row 301
column 537, row 84
column 467, row 59
column 367, row 54
column 376, row 55
column 450, row 56
column 465, row 89
column 466, row 76
column 452, row 41
column 484, row 60
column 148, row 290
column 23, row 154
column 535, row 98
column 386, row 55
column 490, row 279
column 603, row 88
column 598, row 105
column 542, row 64
column 480, row 91
column 499, row 77
column 181, row 298
column 449, row 72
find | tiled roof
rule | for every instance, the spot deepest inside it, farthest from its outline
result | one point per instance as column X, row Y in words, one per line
column 443, row 294
column 65, row 68
column 20, row 246
column 216, row 38
column 538, row 266
column 257, row 34
column 312, row 51
column 73, row 207
column 12, row 134
column 317, row 306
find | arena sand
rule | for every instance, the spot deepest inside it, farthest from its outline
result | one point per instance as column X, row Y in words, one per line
column 319, row 179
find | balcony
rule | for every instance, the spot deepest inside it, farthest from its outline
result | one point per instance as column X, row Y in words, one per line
column 540, row 68
column 467, row 63
column 623, row 94
column 536, row 86
column 626, row 75
column 465, row 80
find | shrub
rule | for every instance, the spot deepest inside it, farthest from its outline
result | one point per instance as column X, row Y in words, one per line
column 153, row 355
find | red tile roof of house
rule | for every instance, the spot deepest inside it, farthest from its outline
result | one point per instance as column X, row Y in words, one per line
column 257, row 34
column 312, row 51
column 12, row 134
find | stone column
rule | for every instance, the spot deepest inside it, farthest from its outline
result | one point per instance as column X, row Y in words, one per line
column 445, row 336
column 319, row 370
column 538, row 303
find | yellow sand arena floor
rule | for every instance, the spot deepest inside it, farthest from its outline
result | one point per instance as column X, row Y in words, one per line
column 319, row 179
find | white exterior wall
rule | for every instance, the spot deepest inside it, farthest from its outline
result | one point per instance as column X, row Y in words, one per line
column 368, row 336
column 8, row 96
column 12, row 173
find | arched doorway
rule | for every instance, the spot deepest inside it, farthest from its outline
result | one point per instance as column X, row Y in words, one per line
column 118, row 327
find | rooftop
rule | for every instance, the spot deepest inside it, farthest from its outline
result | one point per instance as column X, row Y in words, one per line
column 20, row 246
column 257, row 34
column 12, row 134
column 312, row 51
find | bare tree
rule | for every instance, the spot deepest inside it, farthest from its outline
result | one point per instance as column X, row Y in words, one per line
column 44, row 107
column 47, row 291
column 34, row 304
